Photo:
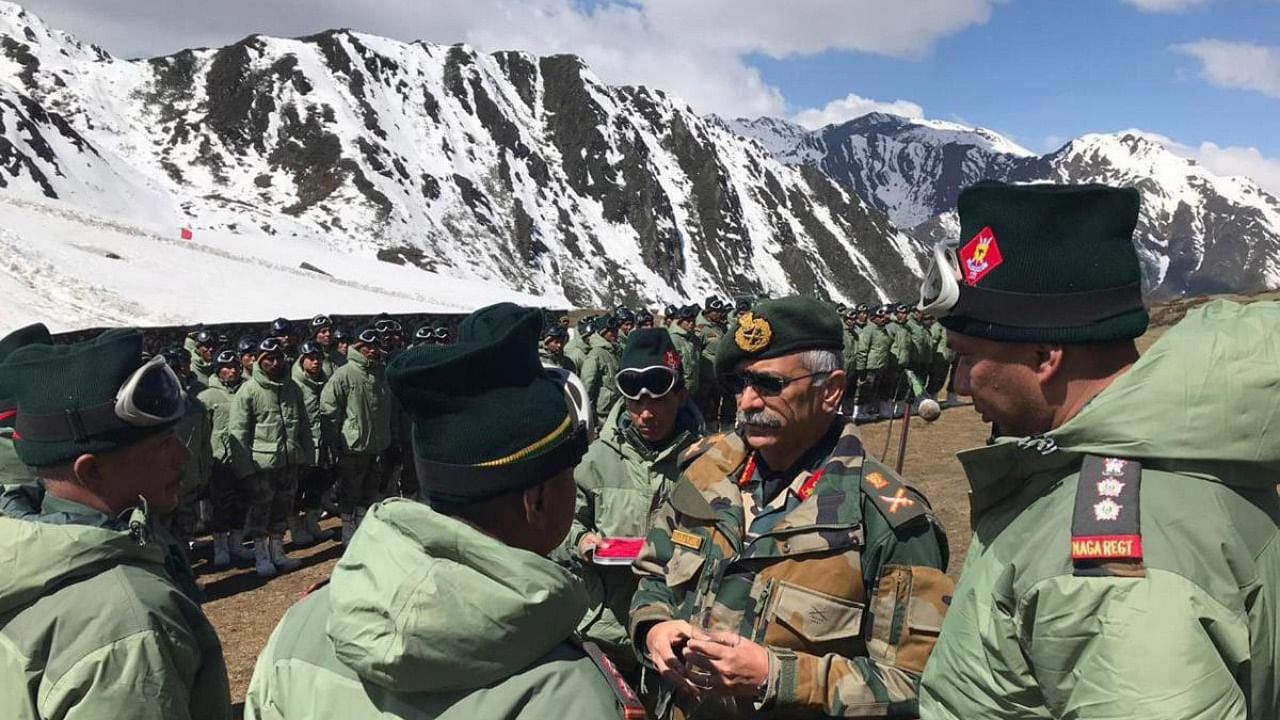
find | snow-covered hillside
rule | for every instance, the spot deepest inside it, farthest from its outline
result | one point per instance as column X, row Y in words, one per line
column 504, row 169
column 1198, row 233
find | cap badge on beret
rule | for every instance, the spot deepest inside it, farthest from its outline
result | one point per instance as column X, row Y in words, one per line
column 980, row 256
column 754, row 333
column 671, row 359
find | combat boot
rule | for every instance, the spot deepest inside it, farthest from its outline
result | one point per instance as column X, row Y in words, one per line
column 299, row 533
column 278, row 557
column 311, row 522
column 262, row 558
column 235, row 543
column 348, row 528
column 886, row 409
column 952, row 400
column 221, row 550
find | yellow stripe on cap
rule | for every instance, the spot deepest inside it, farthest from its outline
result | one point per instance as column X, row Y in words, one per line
column 536, row 447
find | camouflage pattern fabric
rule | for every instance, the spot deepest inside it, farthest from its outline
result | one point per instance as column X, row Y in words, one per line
column 841, row 578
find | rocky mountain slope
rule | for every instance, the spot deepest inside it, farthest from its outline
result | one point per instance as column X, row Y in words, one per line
column 523, row 171
column 1198, row 232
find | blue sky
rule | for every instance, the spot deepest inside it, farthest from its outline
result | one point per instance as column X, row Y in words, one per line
column 1202, row 74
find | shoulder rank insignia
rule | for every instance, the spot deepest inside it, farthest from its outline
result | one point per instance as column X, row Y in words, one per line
column 1106, row 536
column 898, row 503
column 628, row 702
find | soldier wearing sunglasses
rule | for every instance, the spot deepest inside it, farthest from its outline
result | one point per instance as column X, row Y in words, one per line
column 788, row 573
column 627, row 471
column 96, row 616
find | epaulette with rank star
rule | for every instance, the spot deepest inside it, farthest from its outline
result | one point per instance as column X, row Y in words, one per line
column 1106, row 534
column 898, row 503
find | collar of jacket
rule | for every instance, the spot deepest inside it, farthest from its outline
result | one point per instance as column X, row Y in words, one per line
column 1001, row 469
column 688, row 428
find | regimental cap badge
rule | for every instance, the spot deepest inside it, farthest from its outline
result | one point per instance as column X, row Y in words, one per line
column 753, row 334
column 980, row 256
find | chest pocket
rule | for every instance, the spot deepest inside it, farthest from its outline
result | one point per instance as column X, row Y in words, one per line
column 683, row 568
column 801, row 618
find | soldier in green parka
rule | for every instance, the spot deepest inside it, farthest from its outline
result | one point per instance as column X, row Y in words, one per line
column 95, row 620
column 689, row 345
column 270, row 437
column 789, row 574
column 578, row 346
column 314, row 477
column 202, row 345
column 453, row 610
column 600, row 368
column 551, row 348
column 874, row 361
column 1125, row 560
column 227, row 496
column 628, row 471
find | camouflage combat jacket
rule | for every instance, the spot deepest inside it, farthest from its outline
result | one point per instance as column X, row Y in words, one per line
column 840, row 576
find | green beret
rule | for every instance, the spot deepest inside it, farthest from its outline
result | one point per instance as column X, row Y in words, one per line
column 1048, row 263
column 649, row 347
column 49, row 380
column 780, row 327
column 487, row 419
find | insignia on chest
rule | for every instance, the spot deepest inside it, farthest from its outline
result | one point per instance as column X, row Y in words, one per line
column 686, row 540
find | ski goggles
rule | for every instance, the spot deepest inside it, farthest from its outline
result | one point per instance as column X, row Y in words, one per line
column 150, row 397
column 370, row 336
column 940, row 290
column 655, row 381
column 270, row 346
column 321, row 321
column 384, row 326
column 765, row 385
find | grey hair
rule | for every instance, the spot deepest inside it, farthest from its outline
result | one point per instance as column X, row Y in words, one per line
column 821, row 361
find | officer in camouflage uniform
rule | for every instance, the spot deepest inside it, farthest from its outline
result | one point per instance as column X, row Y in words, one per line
column 789, row 574
column 689, row 346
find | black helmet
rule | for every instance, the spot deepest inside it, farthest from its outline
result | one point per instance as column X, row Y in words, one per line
column 227, row 358
column 423, row 334
column 310, row 347
column 280, row 327
column 644, row 317
column 320, row 321
column 204, row 337
column 246, row 344
column 688, row 312
column 176, row 356
column 586, row 324
column 624, row 315
column 670, row 311
column 555, row 332
column 340, row 335
column 606, row 322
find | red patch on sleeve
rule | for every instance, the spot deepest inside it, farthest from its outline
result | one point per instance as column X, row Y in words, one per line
column 980, row 256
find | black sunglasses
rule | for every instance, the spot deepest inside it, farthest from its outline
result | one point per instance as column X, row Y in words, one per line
column 764, row 385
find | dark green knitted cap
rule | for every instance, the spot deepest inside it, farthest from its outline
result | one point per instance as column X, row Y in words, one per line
column 52, row 379
column 21, row 337
column 780, row 327
column 487, row 419
column 649, row 347
column 1048, row 263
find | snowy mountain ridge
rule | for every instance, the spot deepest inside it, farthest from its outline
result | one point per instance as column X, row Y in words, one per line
column 504, row 168
column 1198, row 232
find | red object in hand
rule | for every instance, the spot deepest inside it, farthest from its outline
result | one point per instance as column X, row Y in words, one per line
column 618, row 551
column 186, row 234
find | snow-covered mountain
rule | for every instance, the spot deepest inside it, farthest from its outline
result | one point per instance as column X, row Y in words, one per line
column 505, row 168
column 1198, row 232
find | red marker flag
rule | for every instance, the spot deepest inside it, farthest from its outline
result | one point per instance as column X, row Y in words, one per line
column 186, row 234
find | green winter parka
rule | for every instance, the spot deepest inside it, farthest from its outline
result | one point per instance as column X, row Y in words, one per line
column 598, row 375
column 425, row 618
column 689, row 347
column 311, row 390
column 900, row 345
column 355, row 407
column 195, row 430
column 576, row 350
column 875, row 347
column 560, row 360
column 621, row 482
column 921, row 343
column 942, row 352
column 1188, row 624
column 93, row 625
column 269, row 427
column 217, row 402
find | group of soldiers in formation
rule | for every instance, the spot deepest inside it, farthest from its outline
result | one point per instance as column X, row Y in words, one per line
column 669, row 518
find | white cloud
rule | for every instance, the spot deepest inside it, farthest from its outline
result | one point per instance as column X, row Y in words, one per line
column 1054, row 142
column 694, row 49
column 1238, row 65
column 1164, row 6
column 1232, row 160
column 852, row 106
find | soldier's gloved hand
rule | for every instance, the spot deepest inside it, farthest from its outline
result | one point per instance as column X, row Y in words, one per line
column 587, row 544
column 726, row 664
column 664, row 644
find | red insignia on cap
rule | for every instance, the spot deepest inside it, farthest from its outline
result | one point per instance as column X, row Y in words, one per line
column 671, row 359
column 980, row 256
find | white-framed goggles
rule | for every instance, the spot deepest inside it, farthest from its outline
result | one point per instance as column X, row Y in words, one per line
column 940, row 290
column 656, row 381
column 151, row 396
column 576, row 397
